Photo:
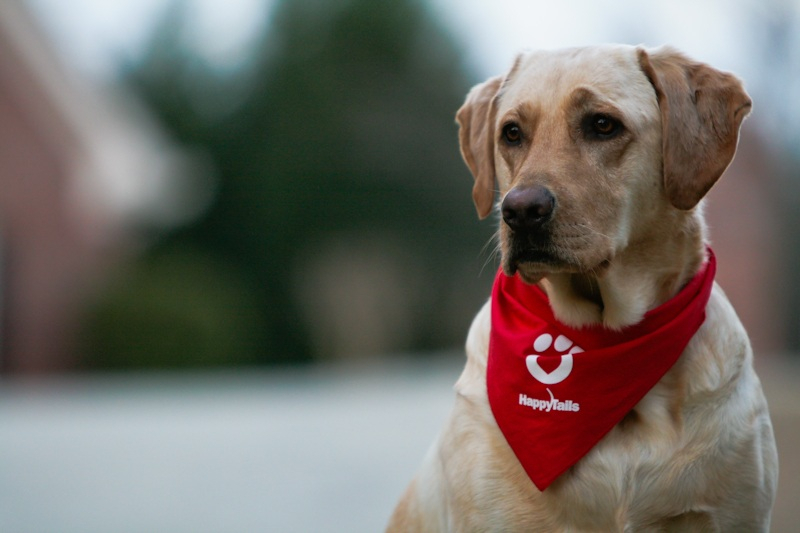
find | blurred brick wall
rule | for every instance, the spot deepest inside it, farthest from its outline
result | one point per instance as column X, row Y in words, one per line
column 748, row 238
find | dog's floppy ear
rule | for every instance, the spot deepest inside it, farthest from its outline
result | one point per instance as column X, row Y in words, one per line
column 701, row 111
column 476, row 137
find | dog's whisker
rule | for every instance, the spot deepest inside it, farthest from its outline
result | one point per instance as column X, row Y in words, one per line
column 495, row 252
column 591, row 230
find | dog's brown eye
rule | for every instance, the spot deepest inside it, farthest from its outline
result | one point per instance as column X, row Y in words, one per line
column 512, row 135
column 604, row 126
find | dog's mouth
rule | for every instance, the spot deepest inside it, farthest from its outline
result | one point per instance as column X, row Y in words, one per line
column 532, row 258
column 535, row 258
column 555, row 247
column 528, row 258
column 532, row 265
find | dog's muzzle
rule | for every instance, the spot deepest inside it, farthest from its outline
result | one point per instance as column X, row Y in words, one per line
column 526, row 212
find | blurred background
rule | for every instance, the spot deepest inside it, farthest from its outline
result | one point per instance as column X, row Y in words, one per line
column 238, row 253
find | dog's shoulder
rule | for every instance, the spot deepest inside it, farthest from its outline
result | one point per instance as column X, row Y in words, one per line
column 719, row 355
column 472, row 383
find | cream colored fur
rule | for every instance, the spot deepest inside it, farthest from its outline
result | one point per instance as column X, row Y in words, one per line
column 697, row 453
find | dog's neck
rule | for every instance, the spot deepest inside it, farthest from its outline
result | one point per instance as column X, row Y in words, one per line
column 642, row 276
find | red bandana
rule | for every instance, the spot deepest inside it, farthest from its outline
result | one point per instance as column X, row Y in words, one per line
column 555, row 391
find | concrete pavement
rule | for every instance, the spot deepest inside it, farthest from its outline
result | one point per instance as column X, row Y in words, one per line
column 327, row 449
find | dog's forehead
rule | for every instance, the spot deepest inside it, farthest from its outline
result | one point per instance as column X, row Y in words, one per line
column 547, row 77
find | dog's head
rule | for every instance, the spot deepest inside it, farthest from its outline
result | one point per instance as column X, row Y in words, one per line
column 590, row 147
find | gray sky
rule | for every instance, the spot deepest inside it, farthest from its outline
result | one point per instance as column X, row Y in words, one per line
column 729, row 34
column 94, row 32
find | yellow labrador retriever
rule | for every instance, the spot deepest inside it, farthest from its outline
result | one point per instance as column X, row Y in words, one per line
column 602, row 156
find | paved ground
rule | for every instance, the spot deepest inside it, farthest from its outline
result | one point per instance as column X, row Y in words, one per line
column 326, row 450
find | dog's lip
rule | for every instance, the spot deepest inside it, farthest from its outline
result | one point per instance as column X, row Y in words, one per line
column 531, row 257
column 536, row 264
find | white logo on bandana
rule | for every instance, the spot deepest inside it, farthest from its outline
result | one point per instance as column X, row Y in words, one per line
column 542, row 343
column 553, row 404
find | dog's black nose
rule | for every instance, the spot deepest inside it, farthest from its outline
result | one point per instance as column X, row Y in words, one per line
column 527, row 208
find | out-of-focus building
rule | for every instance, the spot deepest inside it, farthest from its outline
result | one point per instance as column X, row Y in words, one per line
column 749, row 237
column 76, row 169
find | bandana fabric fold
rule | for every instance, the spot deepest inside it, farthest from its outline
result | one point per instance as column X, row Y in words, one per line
column 555, row 391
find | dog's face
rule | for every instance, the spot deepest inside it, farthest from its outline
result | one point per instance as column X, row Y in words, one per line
column 578, row 135
column 580, row 144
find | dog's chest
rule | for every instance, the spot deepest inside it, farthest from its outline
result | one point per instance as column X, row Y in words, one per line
column 620, row 485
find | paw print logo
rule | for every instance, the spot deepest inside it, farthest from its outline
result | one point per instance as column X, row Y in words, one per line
column 543, row 343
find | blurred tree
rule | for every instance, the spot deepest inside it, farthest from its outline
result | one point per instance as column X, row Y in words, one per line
column 340, row 124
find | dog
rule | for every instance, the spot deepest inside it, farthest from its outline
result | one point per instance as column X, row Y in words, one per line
column 601, row 158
